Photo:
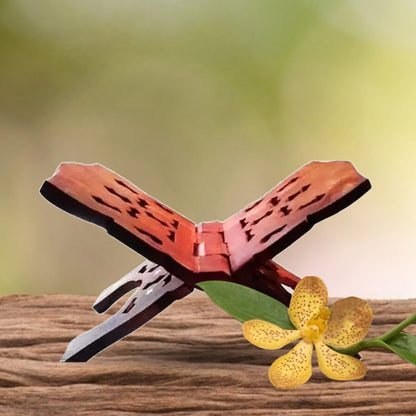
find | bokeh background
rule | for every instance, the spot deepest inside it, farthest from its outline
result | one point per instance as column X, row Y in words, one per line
column 206, row 105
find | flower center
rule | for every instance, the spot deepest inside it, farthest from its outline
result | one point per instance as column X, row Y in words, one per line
column 316, row 326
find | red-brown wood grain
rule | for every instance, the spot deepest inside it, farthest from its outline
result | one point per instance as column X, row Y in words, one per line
column 289, row 210
column 239, row 249
column 231, row 250
column 99, row 195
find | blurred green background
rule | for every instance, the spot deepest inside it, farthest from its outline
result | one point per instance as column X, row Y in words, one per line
column 206, row 105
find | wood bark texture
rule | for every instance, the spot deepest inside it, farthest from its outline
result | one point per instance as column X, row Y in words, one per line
column 190, row 360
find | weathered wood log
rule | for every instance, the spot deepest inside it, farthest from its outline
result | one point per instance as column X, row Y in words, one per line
column 190, row 360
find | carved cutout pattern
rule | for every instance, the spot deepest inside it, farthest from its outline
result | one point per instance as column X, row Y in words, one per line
column 271, row 223
column 239, row 248
column 255, row 234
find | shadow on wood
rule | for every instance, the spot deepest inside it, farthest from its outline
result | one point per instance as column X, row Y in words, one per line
column 190, row 360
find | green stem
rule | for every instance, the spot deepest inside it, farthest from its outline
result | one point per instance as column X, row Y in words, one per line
column 378, row 342
column 362, row 345
column 397, row 329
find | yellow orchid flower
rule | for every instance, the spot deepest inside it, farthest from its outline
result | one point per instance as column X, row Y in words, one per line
column 346, row 323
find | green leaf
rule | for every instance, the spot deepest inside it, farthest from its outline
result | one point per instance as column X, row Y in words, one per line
column 403, row 344
column 244, row 303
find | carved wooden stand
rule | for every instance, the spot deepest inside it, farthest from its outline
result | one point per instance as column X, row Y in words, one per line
column 191, row 360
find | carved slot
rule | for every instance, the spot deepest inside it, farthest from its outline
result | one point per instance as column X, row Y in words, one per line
column 316, row 199
column 171, row 236
column 149, row 214
column 164, row 207
column 143, row 269
column 268, row 213
column 102, row 202
column 243, row 222
column 303, row 189
column 267, row 237
column 285, row 210
column 275, row 200
column 114, row 192
column 167, row 279
column 125, row 186
column 130, row 306
column 150, row 284
column 133, row 212
column 293, row 180
column 293, row 196
column 175, row 224
column 253, row 205
column 306, row 187
column 249, row 235
column 142, row 202
column 153, row 237
column 152, row 269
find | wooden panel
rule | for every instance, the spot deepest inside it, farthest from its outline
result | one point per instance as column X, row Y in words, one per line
column 267, row 226
column 99, row 195
column 233, row 249
column 189, row 360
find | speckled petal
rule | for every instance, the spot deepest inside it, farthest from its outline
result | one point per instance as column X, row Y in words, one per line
column 339, row 366
column 349, row 322
column 308, row 297
column 268, row 336
column 294, row 368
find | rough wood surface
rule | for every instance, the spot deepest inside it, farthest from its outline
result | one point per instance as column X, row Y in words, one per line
column 190, row 360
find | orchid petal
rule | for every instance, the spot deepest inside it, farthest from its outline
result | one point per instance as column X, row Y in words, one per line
column 339, row 366
column 294, row 368
column 349, row 322
column 268, row 336
column 308, row 297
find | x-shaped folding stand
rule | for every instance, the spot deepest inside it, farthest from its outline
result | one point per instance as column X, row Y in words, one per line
column 181, row 253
